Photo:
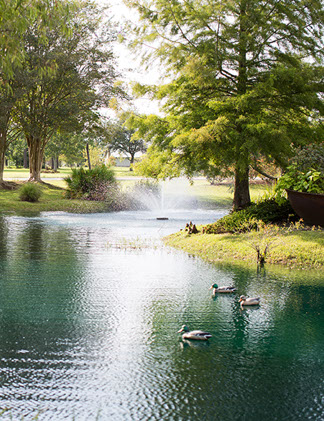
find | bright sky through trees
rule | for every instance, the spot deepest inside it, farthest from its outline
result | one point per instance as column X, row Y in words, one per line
column 130, row 65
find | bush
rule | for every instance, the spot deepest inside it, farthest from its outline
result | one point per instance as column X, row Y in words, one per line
column 271, row 211
column 306, row 172
column 311, row 181
column 236, row 222
column 30, row 192
column 257, row 214
column 91, row 184
column 311, row 156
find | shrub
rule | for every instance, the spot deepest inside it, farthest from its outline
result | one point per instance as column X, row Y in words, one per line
column 306, row 172
column 269, row 210
column 236, row 222
column 30, row 192
column 311, row 181
column 257, row 214
column 311, row 156
column 91, row 184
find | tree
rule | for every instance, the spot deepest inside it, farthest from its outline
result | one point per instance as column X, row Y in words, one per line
column 116, row 137
column 246, row 80
column 7, row 101
column 15, row 18
column 80, row 79
column 70, row 147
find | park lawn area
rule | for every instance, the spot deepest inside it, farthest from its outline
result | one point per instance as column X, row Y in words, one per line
column 295, row 249
column 18, row 173
column 51, row 200
column 222, row 193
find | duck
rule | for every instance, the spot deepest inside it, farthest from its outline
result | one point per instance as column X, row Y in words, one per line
column 221, row 289
column 199, row 335
column 249, row 301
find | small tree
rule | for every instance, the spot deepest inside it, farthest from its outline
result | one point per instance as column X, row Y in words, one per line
column 117, row 137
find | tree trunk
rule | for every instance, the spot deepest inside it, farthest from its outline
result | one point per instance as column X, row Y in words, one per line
column 241, row 188
column 88, row 156
column 36, row 153
column 3, row 148
column 55, row 164
column 26, row 158
column 131, row 161
column 241, row 184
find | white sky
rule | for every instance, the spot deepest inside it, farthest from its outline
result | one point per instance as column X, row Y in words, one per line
column 128, row 63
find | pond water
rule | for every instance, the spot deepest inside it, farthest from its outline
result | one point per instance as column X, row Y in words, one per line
column 90, row 306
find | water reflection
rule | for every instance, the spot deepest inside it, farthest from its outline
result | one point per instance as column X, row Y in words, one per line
column 89, row 331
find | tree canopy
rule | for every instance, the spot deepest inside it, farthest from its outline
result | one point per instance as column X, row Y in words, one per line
column 68, row 73
column 245, row 80
column 115, row 136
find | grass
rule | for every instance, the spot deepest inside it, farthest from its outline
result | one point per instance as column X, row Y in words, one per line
column 18, row 173
column 51, row 200
column 294, row 249
column 222, row 193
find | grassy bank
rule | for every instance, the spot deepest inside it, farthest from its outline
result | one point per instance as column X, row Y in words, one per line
column 52, row 199
column 294, row 249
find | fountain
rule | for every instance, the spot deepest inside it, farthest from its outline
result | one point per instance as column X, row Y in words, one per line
column 164, row 197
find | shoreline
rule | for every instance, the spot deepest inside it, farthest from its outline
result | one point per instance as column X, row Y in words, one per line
column 298, row 249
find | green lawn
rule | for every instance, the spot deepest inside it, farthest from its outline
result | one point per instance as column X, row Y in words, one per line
column 18, row 173
column 208, row 195
column 52, row 199
column 295, row 249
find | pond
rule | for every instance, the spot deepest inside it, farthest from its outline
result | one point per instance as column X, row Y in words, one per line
column 90, row 306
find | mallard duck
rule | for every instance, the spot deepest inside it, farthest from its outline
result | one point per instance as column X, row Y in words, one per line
column 194, row 334
column 249, row 301
column 225, row 289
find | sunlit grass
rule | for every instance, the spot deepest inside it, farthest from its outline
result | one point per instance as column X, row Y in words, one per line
column 223, row 193
column 52, row 199
column 295, row 249
column 18, row 173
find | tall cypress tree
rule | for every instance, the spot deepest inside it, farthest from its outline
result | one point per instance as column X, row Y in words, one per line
column 246, row 79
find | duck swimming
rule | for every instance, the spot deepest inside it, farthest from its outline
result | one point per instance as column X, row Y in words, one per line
column 249, row 301
column 221, row 289
column 194, row 334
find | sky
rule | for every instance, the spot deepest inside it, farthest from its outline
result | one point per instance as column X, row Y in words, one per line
column 127, row 62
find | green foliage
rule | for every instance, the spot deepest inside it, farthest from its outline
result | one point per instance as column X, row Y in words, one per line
column 91, row 184
column 115, row 136
column 310, row 181
column 238, row 88
column 306, row 172
column 236, row 222
column 30, row 192
column 158, row 164
column 310, row 156
column 271, row 211
column 253, row 217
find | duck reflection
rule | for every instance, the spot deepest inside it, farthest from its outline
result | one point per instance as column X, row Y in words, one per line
column 185, row 344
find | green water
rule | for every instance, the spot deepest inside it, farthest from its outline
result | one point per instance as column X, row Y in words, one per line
column 90, row 307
